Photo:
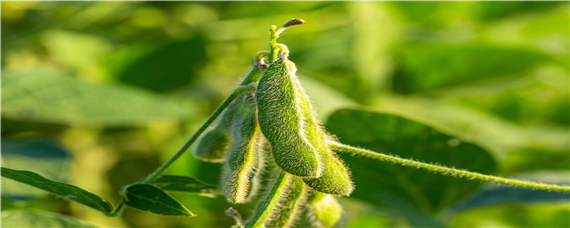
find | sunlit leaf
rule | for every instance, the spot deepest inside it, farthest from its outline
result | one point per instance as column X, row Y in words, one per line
column 429, row 67
column 23, row 218
column 50, row 96
column 66, row 191
column 397, row 135
column 149, row 198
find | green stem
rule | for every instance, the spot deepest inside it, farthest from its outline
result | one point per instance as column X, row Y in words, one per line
column 272, row 42
column 237, row 91
column 118, row 208
column 272, row 200
column 336, row 146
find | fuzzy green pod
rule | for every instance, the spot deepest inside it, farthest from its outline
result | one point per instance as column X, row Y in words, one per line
column 214, row 144
column 324, row 209
column 281, row 119
column 290, row 205
column 239, row 169
column 335, row 179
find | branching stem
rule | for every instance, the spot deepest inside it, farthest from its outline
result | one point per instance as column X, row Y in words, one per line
column 237, row 91
column 336, row 146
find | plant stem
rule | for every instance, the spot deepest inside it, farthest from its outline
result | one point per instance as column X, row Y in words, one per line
column 272, row 42
column 237, row 91
column 272, row 199
column 336, row 146
column 118, row 208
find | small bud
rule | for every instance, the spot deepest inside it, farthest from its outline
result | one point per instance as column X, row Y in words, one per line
column 234, row 214
column 293, row 23
column 282, row 120
column 324, row 209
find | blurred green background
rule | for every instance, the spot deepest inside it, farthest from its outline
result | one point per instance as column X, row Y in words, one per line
column 98, row 94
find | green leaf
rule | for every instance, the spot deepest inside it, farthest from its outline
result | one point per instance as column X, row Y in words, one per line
column 458, row 64
column 50, row 160
column 149, row 198
column 325, row 99
column 50, row 96
column 392, row 134
column 416, row 216
column 158, row 66
column 66, row 191
column 24, row 218
column 492, row 194
column 508, row 195
column 186, row 184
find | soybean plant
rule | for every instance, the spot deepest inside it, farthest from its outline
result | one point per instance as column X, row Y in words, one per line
column 271, row 144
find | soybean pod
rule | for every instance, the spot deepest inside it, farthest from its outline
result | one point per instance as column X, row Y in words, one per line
column 239, row 169
column 281, row 120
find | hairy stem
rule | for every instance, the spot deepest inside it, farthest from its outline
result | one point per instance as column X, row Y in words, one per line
column 272, row 199
column 237, row 91
column 336, row 146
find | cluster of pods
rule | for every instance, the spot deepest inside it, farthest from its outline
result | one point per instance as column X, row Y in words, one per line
column 274, row 131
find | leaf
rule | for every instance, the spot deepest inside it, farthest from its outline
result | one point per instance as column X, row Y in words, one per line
column 417, row 217
column 50, row 160
column 162, row 66
column 397, row 135
column 50, row 96
column 429, row 67
column 149, row 198
column 186, row 184
column 492, row 194
column 66, row 191
column 325, row 99
column 24, row 218
column 507, row 195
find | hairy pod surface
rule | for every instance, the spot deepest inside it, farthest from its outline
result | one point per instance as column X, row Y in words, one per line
column 282, row 120
column 242, row 163
column 290, row 205
column 335, row 179
column 324, row 209
column 214, row 144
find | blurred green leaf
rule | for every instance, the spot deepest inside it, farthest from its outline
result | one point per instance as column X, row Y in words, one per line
column 50, row 96
column 24, row 218
column 185, row 184
column 397, row 135
column 149, row 198
column 496, row 195
column 158, row 66
column 79, row 51
column 325, row 99
column 499, row 136
column 417, row 217
column 50, row 159
column 488, row 10
column 425, row 67
column 66, row 191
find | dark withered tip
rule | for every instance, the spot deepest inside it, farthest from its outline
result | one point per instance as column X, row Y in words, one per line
column 293, row 23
